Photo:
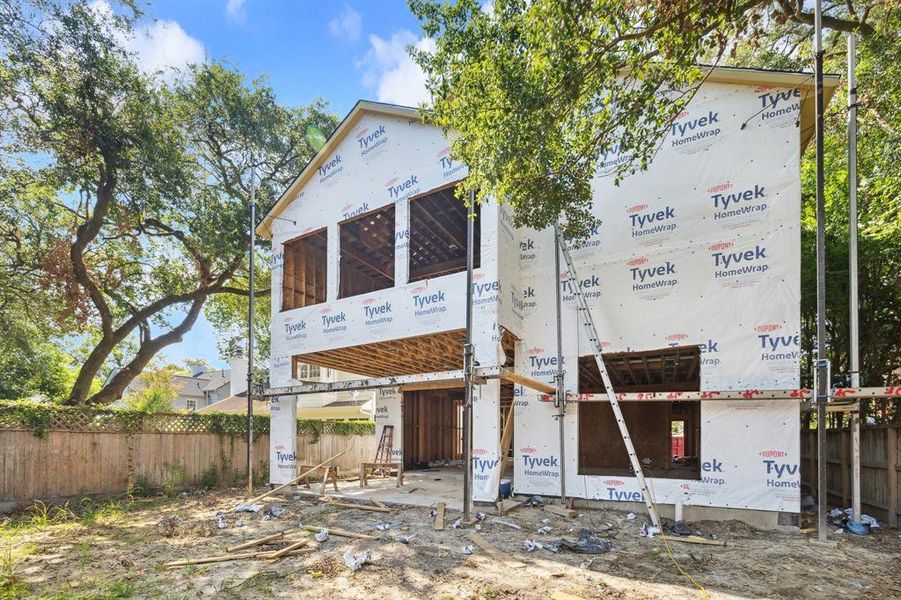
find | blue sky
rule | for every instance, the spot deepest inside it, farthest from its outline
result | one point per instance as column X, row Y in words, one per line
column 340, row 51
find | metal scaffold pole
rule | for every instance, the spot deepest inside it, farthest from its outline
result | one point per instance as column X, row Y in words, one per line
column 822, row 387
column 468, row 362
column 251, row 253
column 854, row 332
column 560, row 400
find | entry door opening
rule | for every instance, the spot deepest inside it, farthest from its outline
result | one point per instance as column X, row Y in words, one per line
column 433, row 429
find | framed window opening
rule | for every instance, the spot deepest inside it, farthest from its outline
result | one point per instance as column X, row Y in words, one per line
column 304, row 270
column 367, row 253
column 438, row 234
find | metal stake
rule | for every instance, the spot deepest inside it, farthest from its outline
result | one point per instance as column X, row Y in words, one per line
column 822, row 389
column 468, row 360
column 251, row 253
column 852, row 269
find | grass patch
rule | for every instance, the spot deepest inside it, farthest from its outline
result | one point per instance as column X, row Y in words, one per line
column 11, row 585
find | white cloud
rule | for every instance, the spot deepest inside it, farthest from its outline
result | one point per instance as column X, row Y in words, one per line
column 348, row 25
column 390, row 70
column 164, row 45
column 234, row 9
column 158, row 45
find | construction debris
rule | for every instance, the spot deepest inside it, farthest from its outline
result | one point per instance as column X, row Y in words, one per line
column 439, row 517
column 356, row 561
column 589, row 543
column 321, row 535
column 251, row 508
column 266, row 540
column 341, row 533
column 296, row 479
column 494, row 553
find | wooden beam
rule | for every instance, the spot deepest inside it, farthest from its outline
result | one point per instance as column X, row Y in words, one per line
column 528, row 382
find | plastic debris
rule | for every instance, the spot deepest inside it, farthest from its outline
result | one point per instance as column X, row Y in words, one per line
column 586, row 564
column 588, row 543
column 545, row 521
column 467, row 549
column 458, row 522
column 433, row 513
column 648, row 531
column 857, row 527
column 533, row 501
column 383, row 526
column 836, row 512
column 356, row 561
column 506, row 523
column 480, row 516
column 321, row 535
column 220, row 521
column 532, row 546
column 239, row 522
column 631, row 516
column 478, row 527
column 544, row 530
column 868, row 520
column 403, row 539
column 274, row 511
column 251, row 508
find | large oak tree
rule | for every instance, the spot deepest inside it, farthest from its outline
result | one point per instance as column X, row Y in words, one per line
column 125, row 196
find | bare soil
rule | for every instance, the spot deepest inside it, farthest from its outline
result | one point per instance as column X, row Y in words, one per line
column 117, row 550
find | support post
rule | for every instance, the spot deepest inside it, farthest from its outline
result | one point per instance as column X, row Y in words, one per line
column 822, row 387
column 468, row 359
column 560, row 400
column 854, row 333
column 251, row 254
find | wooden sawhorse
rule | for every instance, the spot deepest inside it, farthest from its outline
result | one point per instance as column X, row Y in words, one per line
column 385, row 467
column 329, row 474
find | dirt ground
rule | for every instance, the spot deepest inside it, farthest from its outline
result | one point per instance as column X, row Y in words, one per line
column 117, row 548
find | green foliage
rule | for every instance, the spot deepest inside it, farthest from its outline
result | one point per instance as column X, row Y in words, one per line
column 209, row 478
column 123, row 195
column 539, row 91
column 155, row 391
column 139, row 487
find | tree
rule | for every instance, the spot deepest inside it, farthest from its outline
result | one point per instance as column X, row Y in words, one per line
column 156, row 390
column 129, row 193
column 538, row 91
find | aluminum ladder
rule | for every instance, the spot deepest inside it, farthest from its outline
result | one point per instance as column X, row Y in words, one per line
column 588, row 324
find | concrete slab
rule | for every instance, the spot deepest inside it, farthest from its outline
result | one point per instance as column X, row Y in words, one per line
column 420, row 488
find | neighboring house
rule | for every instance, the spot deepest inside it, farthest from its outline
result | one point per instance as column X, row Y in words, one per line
column 692, row 276
column 202, row 388
column 334, row 405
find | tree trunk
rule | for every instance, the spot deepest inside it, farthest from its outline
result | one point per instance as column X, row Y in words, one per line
column 89, row 370
column 114, row 389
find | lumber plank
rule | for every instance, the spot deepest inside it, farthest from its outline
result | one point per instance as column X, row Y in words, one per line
column 341, row 532
column 560, row 510
column 693, row 539
column 266, row 540
column 492, row 551
column 378, row 503
column 331, row 502
column 296, row 479
column 505, row 506
column 289, row 548
column 438, row 525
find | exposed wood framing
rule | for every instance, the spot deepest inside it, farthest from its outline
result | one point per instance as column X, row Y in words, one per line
column 438, row 234
column 667, row 369
column 407, row 356
column 367, row 253
column 304, row 270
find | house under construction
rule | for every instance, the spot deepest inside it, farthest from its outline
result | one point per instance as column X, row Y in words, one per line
column 692, row 279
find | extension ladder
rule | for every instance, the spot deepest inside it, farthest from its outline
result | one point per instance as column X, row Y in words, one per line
column 588, row 323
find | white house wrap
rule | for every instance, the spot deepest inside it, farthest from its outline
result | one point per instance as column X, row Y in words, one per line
column 701, row 249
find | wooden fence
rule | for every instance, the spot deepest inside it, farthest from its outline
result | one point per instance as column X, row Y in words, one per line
column 88, row 456
column 880, row 469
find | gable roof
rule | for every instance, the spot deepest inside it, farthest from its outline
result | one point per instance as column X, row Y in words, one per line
column 715, row 74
